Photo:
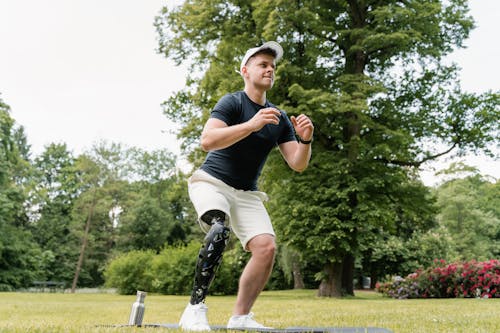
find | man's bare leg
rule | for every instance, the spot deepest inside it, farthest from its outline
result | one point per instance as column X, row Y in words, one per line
column 256, row 272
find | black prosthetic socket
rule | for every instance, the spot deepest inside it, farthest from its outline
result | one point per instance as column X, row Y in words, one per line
column 210, row 256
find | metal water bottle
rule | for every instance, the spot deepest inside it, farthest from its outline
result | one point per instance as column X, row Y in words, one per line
column 137, row 313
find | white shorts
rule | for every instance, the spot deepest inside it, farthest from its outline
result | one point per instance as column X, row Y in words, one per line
column 245, row 210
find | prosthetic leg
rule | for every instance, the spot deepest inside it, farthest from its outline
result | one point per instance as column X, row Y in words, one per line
column 210, row 255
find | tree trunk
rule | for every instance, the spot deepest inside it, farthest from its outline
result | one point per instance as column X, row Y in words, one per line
column 373, row 281
column 331, row 285
column 355, row 63
column 298, row 280
column 348, row 274
column 84, row 244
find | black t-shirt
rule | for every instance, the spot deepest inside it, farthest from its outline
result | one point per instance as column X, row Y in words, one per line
column 240, row 165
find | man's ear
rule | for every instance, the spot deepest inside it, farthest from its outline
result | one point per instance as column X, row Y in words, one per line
column 244, row 71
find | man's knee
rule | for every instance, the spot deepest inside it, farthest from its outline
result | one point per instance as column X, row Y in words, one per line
column 262, row 245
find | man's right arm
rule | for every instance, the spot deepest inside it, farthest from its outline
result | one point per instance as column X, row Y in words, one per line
column 218, row 135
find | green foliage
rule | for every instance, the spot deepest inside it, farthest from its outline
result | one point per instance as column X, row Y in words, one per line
column 469, row 211
column 150, row 228
column 13, row 171
column 55, row 190
column 130, row 198
column 156, row 214
column 129, row 272
column 467, row 228
column 20, row 258
column 19, row 254
column 129, row 202
column 393, row 255
column 171, row 271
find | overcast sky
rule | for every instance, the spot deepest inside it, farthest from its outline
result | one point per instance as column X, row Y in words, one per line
column 80, row 71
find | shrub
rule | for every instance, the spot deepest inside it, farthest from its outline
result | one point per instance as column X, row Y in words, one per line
column 171, row 271
column 399, row 288
column 480, row 279
column 442, row 280
column 129, row 272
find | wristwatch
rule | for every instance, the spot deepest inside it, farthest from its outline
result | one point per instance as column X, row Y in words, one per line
column 306, row 142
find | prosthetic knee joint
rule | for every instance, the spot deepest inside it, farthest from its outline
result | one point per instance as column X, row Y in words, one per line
column 210, row 256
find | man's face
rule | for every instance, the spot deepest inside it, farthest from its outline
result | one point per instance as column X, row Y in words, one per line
column 259, row 71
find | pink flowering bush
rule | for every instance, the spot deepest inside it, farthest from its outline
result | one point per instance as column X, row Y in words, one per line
column 442, row 280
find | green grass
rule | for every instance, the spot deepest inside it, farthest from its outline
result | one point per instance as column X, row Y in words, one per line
column 46, row 312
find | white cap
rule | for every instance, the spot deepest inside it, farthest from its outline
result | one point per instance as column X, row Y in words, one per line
column 268, row 45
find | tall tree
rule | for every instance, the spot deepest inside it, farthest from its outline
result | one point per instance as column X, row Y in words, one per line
column 54, row 194
column 14, row 169
column 370, row 74
column 84, row 209
column 103, row 171
column 19, row 253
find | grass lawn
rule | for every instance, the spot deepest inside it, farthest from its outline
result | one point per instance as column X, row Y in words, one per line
column 52, row 312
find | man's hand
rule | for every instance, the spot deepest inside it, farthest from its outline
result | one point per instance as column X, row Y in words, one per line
column 303, row 126
column 297, row 155
column 263, row 117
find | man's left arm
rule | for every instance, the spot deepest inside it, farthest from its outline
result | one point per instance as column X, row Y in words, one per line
column 298, row 154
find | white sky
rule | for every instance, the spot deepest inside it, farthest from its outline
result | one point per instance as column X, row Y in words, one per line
column 80, row 71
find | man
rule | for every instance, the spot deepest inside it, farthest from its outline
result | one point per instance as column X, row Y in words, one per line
column 238, row 136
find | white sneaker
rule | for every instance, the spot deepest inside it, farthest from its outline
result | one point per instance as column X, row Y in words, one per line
column 194, row 318
column 244, row 321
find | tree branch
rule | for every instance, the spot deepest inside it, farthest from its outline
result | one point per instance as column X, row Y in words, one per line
column 418, row 163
